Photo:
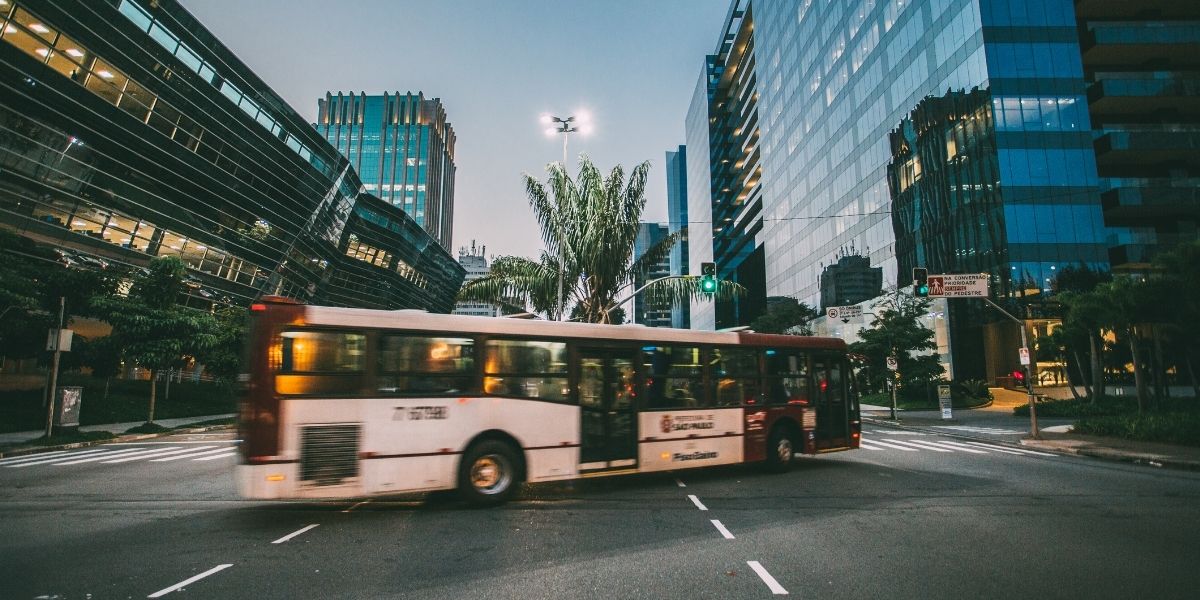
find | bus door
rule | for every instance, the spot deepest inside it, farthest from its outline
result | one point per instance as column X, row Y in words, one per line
column 832, row 418
column 607, row 384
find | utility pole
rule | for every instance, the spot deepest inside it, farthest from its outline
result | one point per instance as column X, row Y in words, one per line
column 1033, row 425
column 53, row 387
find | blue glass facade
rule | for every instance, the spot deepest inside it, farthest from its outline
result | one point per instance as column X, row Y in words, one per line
column 403, row 149
column 677, row 216
column 645, row 311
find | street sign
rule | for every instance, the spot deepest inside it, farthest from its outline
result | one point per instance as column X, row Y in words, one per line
column 892, row 363
column 1024, row 356
column 843, row 312
column 944, row 401
column 59, row 340
column 959, row 285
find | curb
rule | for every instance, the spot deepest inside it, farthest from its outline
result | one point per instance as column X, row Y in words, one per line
column 131, row 437
column 1090, row 452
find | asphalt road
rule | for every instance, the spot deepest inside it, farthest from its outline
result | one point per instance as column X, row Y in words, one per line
column 913, row 516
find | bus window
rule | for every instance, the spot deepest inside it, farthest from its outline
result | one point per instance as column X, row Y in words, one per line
column 674, row 377
column 526, row 369
column 416, row 364
column 787, row 377
column 735, row 376
column 320, row 362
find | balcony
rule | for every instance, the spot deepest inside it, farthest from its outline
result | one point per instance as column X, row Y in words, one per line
column 1148, row 148
column 1136, row 44
column 1144, row 96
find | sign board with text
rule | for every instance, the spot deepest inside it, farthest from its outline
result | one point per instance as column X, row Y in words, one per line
column 843, row 312
column 1023, row 355
column 963, row 285
column 944, row 401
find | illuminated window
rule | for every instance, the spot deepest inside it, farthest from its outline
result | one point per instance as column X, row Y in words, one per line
column 526, row 369
column 426, row 365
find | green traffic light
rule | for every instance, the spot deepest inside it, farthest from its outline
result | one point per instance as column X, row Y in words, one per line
column 708, row 285
column 923, row 290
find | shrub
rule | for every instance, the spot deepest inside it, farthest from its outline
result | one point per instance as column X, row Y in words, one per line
column 1170, row 427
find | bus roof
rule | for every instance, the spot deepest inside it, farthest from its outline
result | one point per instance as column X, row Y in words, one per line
column 418, row 320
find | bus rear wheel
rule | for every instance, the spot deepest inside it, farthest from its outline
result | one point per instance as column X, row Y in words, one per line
column 781, row 449
column 488, row 473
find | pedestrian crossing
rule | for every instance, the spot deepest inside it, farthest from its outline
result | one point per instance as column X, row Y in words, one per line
column 116, row 454
column 983, row 430
column 896, row 443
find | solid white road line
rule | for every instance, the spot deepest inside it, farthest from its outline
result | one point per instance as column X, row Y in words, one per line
column 1017, row 450
column 767, row 579
column 697, row 502
column 215, row 457
column 294, row 534
column 179, row 586
column 919, row 445
column 183, row 456
column 107, row 455
column 15, row 459
column 724, row 532
column 679, row 482
column 67, row 456
column 154, row 453
column 893, row 446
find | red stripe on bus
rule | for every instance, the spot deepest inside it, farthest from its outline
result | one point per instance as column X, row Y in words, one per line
column 691, row 437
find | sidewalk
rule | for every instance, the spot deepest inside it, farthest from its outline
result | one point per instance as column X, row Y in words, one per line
column 20, row 437
column 1054, row 432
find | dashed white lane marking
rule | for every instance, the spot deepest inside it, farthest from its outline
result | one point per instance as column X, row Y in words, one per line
column 767, row 579
column 16, row 459
column 696, row 501
column 190, row 580
column 215, row 457
column 724, row 532
column 154, row 453
column 920, row 445
column 294, row 534
column 890, row 445
column 679, row 482
column 106, row 456
column 196, row 455
column 68, row 456
column 1017, row 450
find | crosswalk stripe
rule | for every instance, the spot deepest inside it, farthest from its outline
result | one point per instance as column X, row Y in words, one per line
column 893, row 446
column 154, row 453
column 992, row 448
column 1017, row 450
column 865, row 445
column 958, row 447
column 920, row 445
column 227, row 454
column 16, row 459
column 68, row 456
column 89, row 459
column 194, row 455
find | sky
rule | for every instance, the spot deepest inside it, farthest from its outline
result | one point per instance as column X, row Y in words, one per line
column 497, row 66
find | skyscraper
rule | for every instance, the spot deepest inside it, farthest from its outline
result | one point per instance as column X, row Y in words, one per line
column 1012, row 137
column 646, row 312
column 402, row 147
column 474, row 260
column 677, row 217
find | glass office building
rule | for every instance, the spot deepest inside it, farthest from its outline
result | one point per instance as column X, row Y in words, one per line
column 958, row 135
column 677, row 223
column 403, row 150
column 648, row 311
column 127, row 131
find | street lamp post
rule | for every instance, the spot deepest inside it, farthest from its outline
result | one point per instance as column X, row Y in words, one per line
column 566, row 126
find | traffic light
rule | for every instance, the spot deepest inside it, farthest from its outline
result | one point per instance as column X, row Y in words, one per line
column 920, row 282
column 708, row 277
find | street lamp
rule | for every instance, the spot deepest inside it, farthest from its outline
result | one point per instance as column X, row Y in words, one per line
column 581, row 123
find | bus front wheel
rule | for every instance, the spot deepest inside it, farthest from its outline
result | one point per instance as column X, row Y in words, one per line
column 781, row 449
column 488, row 473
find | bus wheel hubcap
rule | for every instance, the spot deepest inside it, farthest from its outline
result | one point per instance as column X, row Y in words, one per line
column 785, row 449
column 489, row 474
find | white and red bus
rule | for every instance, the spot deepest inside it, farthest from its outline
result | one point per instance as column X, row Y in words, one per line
column 347, row 403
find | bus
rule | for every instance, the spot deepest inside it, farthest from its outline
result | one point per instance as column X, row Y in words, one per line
column 351, row 403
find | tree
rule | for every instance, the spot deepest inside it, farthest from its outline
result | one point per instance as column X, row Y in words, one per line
column 897, row 330
column 224, row 358
column 787, row 316
column 153, row 329
column 589, row 226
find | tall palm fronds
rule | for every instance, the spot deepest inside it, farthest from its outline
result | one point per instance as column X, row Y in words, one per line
column 589, row 226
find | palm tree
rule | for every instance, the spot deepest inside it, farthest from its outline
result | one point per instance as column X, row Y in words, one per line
column 589, row 226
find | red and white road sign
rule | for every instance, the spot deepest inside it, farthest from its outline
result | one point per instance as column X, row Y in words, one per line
column 965, row 285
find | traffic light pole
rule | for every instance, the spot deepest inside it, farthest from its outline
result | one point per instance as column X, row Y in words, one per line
column 1033, row 424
